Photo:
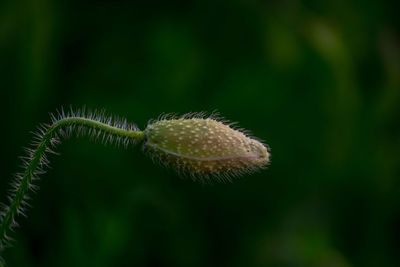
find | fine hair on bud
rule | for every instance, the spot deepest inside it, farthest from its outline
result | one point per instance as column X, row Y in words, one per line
column 206, row 148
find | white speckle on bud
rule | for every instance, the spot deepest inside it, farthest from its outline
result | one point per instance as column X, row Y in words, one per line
column 204, row 147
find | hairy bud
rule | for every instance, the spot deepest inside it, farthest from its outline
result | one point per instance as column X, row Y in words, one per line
column 203, row 147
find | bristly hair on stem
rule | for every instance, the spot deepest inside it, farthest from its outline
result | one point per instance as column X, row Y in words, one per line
column 63, row 124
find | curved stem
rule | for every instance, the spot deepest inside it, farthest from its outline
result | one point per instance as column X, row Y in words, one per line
column 36, row 161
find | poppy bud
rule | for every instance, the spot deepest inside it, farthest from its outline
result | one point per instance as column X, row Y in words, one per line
column 204, row 147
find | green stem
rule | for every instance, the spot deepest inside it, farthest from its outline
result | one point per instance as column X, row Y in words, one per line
column 38, row 154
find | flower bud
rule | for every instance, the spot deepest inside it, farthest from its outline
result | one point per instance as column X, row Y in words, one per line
column 204, row 147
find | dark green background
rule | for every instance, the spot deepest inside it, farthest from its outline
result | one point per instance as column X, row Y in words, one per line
column 319, row 81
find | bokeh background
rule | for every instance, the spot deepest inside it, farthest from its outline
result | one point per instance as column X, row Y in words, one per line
column 319, row 81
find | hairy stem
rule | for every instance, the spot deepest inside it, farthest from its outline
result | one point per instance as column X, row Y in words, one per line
column 36, row 161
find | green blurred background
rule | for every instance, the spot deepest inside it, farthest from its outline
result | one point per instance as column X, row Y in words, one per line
column 320, row 82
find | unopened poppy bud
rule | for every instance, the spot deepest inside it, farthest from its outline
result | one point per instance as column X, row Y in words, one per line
column 204, row 147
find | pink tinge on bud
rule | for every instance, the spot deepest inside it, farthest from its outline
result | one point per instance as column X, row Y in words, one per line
column 205, row 146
